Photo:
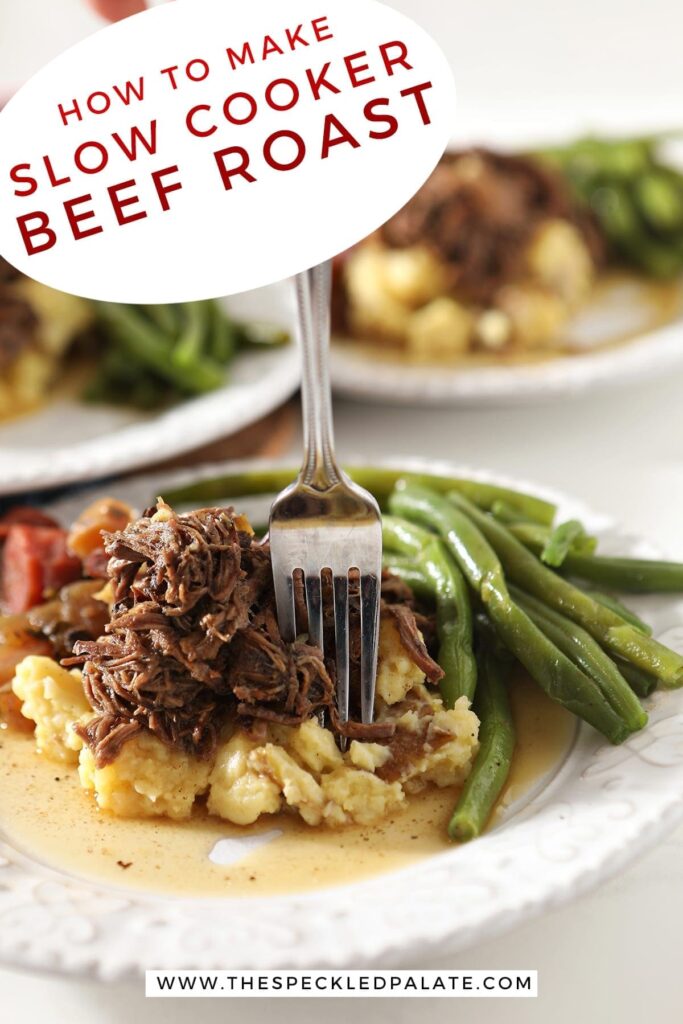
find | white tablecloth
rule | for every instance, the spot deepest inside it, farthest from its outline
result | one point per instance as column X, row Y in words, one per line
column 532, row 67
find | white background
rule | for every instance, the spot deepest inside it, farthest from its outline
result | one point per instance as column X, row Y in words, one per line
column 526, row 69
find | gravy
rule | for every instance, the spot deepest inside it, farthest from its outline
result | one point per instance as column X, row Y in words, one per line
column 44, row 812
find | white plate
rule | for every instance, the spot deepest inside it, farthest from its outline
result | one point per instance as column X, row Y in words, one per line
column 605, row 806
column 360, row 372
column 67, row 441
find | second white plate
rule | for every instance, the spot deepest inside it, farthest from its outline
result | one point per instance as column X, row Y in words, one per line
column 68, row 441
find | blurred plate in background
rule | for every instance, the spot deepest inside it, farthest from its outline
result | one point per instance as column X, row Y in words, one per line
column 620, row 337
column 67, row 441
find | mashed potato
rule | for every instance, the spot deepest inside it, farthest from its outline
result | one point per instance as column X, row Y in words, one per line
column 403, row 297
column 298, row 769
column 147, row 779
column 559, row 260
column 441, row 330
column 237, row 791
column 302, row 769
column 396, row 673
column 53, row 698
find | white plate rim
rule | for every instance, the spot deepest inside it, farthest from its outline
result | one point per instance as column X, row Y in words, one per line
column 585, row 826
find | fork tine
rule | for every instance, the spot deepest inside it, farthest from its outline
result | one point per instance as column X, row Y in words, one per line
column 284, row 599
column 341, row 636
column 369, row 625
column 314, row 606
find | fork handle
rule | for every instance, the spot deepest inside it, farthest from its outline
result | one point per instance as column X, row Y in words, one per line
column 313, row 289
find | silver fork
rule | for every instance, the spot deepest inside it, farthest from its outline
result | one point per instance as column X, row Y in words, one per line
column 323, row 521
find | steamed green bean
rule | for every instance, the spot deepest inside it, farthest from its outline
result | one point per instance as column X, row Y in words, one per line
column 379, row 481
column 585, row 652
column 552, row 670
column 619, row 608
column 537, row 538
column 602, row 623
column 494, row 758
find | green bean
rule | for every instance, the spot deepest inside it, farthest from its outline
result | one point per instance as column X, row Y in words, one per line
column 407, row 538
column 502, row 511
column 585, row 652
column 551, row 669
column 482, row 494
column 410, row 573
column 453, row 610
column 625, row 158
column 617, row 214
column 620, row 609
column 640, row 682
column 190, row 345
column 120, row 382
column 634, row 575
column 604, row 625
column 621, row 223
column 561, row 541
column 637, row 199
column 165, row 317
column 494, row 758
column 143, row 343
column 592, row 157
column 660, row 200
column 233, row 485
column 379, row 481
column 453, row 623
column 222, row 334
column 429, row 509
column 537, row 538
column 509, row 514
column 621, row 159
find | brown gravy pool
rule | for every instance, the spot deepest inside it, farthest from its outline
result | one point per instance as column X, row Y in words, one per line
column 44, row 812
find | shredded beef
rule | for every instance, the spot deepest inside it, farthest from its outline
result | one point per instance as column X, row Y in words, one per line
column 180, row 595
column 396, row 591
column 355, row 730
column 193, row 639
column 18, row 322
column 279, row 682
column 413, row 642
column 175, row 561
column 478, row 210
column 109, row 733
column 8, row 273
column 95, row 564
